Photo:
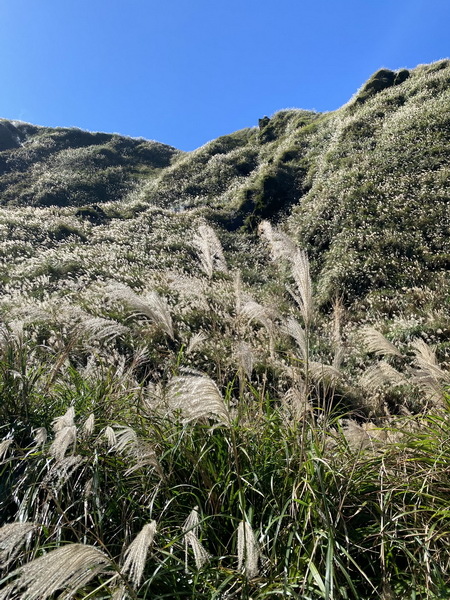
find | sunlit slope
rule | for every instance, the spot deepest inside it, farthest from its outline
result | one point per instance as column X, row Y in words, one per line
column 365, row 189
column 377, row 213
column 42, row 166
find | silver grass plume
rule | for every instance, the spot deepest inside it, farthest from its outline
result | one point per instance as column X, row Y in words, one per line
column 4, row 447
column 261, row 314
column 296, row 401
column 12, row 537
column 69, row 569
column 65, row 437
column 110, row 435
column 62, row 470
column 293, row 328
column 302, row 278
column 323, row 373
column 210, row 251
column 151, row 305
column 99, row 329
column 281, row 245
column 66, row 420
column 378, row 375
column 40, row 436
column 196, row 342
column 425, row 358
column 430, row 377
column 119, row 592
column 375, row 342
column 196, row 398
column 136, row 553
column 248, row 550
column 191, row 538
column 88, row 425
column 245, row 359
column 142, row 453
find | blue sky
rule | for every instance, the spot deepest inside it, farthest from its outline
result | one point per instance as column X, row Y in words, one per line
column 186, row 71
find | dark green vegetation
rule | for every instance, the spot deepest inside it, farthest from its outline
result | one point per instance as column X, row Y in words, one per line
column 193, row 408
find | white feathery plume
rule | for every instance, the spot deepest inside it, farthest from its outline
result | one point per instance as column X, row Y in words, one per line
column 151, row 305
column 245, row 358
column 110, row 436
column 426, row 360
column 64, row 468
column 12, row 537
column 145, row 456
column 248, row 550
column 281, row 245
column 430, row 377
column 66, row 420
column 4, row 447
column 119, row 592
column 64, row 438
column 196, row 342
column 380, row 374
column 40, row 436
column 323, row 373
column 261, row 314
column 68, row 568
column 136, row 553
column 126, row 439
column 141, row 452
column 375, row 342
column 196, row 398
column 191, row 538
column 296, row 399
column 210, row 250
column 88, row 425
column 100, row 329
column 302, row 278
column 293, row 328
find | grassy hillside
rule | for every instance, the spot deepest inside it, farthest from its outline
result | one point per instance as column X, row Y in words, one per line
column 225, row 373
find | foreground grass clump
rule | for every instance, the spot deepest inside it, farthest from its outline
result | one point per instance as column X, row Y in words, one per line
column 219, row 447
column 192, row 495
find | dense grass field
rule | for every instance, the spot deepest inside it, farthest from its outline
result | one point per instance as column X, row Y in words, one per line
column 225, row 374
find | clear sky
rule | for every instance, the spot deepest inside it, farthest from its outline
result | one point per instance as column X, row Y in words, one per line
column 186, row 71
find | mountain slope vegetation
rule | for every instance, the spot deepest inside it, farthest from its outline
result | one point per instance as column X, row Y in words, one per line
column 225, row 373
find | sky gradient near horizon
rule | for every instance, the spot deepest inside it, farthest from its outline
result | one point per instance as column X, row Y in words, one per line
column 184, row 72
